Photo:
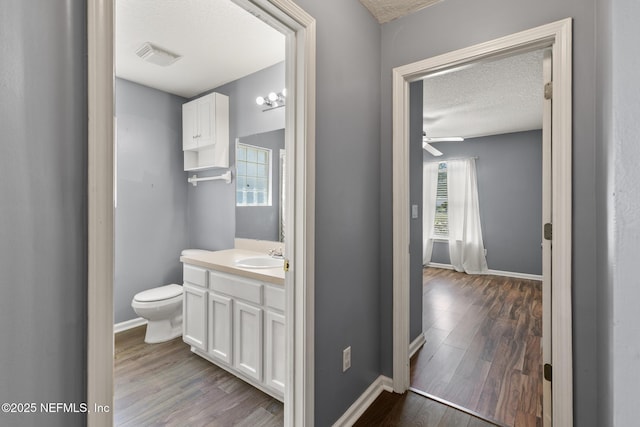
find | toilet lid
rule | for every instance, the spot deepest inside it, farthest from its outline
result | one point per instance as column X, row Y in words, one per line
column 160, row 293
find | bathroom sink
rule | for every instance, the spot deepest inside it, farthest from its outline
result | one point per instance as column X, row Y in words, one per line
column 259, row 262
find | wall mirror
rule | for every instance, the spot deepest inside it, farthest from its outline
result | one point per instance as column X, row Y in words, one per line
column 260, row 186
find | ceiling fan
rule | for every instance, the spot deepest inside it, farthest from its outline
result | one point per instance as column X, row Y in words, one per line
column 426, row 143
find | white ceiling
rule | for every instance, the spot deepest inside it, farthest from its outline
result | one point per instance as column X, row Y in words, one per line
column 487, row 98
column 219, row 42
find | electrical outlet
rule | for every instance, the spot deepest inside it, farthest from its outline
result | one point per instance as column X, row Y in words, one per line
column 346, row 358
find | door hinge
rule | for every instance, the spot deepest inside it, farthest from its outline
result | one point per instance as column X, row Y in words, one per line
column 285, row 265
column 548, row 90
column 548, row 231
column 547, row 372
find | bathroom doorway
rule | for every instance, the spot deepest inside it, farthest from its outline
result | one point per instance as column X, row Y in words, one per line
column 299, row 31
column 557, row 190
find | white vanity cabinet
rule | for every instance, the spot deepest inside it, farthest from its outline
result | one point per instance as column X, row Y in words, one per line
column 194, row 307
column 205, row 132
column 220, row 327
column 244, row 326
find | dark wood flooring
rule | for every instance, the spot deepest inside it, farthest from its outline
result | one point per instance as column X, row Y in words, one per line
column 483, row 348
column 167, row 385
column 411, row 409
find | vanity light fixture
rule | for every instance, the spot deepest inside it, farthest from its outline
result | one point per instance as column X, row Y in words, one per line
column 272, row 100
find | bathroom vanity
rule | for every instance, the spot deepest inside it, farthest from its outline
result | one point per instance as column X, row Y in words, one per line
column 234, row 316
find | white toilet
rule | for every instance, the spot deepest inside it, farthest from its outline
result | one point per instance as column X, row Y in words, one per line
column 162, row 307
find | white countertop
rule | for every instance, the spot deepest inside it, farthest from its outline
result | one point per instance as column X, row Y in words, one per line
column 225, row 261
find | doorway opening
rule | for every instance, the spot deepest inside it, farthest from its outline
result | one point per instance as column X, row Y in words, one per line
column 481, row 309
column 299, row 30
column 557, row 183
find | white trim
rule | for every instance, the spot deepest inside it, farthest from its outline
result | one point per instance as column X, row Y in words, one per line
column 365, row 400
column 416, row 344
column 526, row 276
column 556, row 35
column 128, row 324
column 440, row 265
column 289, row 18
column 100, row 211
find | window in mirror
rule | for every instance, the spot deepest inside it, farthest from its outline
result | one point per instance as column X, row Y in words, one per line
column 253, row 175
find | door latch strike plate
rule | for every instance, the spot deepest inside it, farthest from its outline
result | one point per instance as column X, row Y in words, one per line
column 285, row 265
column 548, row 231
column 547, row 372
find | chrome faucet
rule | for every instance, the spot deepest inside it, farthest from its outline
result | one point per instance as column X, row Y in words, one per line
column 275, row 253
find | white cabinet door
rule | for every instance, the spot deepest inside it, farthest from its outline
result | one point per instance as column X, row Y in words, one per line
column 248, row 340
column 275, row 352
column 220, row 327
column 194, row 316
column 190, row 126
column 206, row 120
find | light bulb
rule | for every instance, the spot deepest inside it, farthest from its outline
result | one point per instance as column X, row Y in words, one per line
column 260, row 100
column 273, row 96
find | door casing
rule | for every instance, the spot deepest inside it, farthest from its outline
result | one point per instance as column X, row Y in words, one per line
column 299, row 28
column 557, row 36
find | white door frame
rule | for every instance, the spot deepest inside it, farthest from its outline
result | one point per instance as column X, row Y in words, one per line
column 556, row 35
column 299, row 28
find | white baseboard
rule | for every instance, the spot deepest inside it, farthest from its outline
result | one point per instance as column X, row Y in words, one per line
column 494, row 272
column 439, row 265
column 515, row 275
column 129, row 324
column 365, row 400
column 416, row 344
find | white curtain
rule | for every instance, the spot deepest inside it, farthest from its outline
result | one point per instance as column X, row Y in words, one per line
column 466, row 248
column 429, row 188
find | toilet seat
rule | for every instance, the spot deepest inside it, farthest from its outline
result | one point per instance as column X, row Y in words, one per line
column 160, row 293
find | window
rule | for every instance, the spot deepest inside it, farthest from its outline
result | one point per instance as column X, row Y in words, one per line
column 441, row 221
column 253, row 175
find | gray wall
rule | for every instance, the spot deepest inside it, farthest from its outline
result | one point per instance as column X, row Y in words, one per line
column 347, row 232
column 509, row 168
column 428, row 33
column 211, row 215
column 619, row 203
column 151, row 214
column 43, row 207
column 262, row 222
column 415, row 196
column 605, row 192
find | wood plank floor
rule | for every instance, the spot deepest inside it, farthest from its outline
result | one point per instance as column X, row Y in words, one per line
column 167, row 385
column 483, row 349
column 410, row 409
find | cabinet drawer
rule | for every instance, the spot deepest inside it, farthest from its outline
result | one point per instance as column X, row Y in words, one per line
column 236, row 286
column 274, row 297
column 195, row 275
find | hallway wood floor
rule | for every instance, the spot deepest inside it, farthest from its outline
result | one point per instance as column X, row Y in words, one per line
column 410, row 409
column 483, row 348
column 167, row 385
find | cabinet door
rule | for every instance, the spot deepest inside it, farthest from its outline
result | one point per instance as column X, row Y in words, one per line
column 206, row 120
column 220, row 327
column 275, row 352
column 194, row 316
column 248, row 340
column 189, row 126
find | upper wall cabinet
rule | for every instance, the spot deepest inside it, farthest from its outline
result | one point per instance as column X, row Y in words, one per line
column 205, row 132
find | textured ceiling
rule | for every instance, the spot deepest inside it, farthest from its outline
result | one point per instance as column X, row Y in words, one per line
column 219, row 42
column 387, row 10
column 486, row 98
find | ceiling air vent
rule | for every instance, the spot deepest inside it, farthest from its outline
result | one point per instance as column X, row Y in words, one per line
column 156, row 55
